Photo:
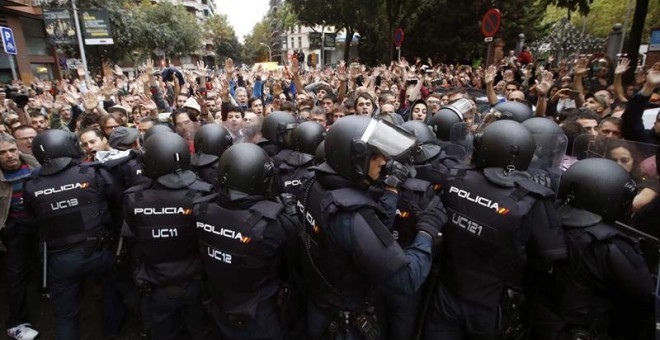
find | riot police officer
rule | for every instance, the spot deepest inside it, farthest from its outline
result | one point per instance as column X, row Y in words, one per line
column 242, row 236
column 276, row 129
column 498, row 219
column 159, row 222
column 76, row 207
column 305, row 138
column 551, row 143
column 605, row 271
column 348, row 248
column 210, row 141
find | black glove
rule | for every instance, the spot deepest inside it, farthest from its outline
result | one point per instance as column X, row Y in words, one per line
column 432, row 219
column 396, row 174
column 289, row 203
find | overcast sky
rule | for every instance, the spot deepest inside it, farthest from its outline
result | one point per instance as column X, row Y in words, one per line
column 243, row 14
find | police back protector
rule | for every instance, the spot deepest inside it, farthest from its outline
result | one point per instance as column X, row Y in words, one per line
column 233, row 254
column 485, row 238
column 335, row 275
column 69, row 206
column 162, row 221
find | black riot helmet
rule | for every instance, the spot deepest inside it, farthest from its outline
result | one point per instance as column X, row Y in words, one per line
column 442, row 121
column 277, row 128
column 55, row 149
column 420, row 130
column 319, row 154
column 165, row 153
column 598, row 185
column 245, row 169
column 210, row 141
column 352, row 140
column 542, row 125
column 517, row 111
column 158, row 128
column 504, row 144
column 307, row 136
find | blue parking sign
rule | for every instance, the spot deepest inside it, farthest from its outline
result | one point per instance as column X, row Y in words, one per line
column 8, row 40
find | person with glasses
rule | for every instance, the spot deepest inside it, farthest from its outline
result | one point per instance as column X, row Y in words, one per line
column 24, row 136
column 108, row 123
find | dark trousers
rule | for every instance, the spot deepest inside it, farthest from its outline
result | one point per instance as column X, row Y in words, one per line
column 265, row 325
column 66, row 274
column 20, row 263
column 451, row 318
column 168, row 311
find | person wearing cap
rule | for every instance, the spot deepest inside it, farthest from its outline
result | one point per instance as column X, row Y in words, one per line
column 598, row 104
column 123, row 138
column 122, row 159
column 118, row 112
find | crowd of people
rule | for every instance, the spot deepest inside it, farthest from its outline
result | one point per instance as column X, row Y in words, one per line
column 410, row 200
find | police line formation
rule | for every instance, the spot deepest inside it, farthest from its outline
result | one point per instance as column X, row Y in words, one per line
column 369, row 230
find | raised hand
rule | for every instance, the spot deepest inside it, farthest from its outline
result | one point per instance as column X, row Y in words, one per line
column 653, row 77
column 622, row 66
column 147, row 102
column 581, row 67
column 117, row 71
column 81, row 70
column 46, row 100
column 489, row 76
column 108, row 87
column 90, row 101
column 229, row 66
column 200, row 68
column 149, row 66
column 60, row 102
column 545, row 85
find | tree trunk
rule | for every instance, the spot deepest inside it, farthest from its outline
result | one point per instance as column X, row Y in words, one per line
column 347, row 44
column 635, row 38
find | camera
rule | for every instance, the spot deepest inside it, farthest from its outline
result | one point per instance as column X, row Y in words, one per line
column 20, row 98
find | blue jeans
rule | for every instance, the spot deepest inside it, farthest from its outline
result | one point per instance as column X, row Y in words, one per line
column 66, row 274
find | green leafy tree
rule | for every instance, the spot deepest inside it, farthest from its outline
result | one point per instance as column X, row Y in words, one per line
column 457, row 36
column 138, row 27
column 342, row 14
column 168, row 27
column 220, row 31
column 581, row 6
column 253, row 51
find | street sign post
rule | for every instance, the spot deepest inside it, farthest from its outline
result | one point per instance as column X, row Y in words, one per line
column 8, row 40
column 10, row 47
column 398, row 40
column 491, row 22
column 489, row 26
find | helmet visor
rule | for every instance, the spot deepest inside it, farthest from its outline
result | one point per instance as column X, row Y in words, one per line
column 388, row 139
column 285, row 132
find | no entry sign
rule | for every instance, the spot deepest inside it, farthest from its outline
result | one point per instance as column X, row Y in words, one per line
column 491, row 22
column 398, row 37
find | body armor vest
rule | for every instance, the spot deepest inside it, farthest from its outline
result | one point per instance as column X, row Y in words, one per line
column 162, row 221
column 233, row 254
column 415, row 195
column 333, row 276
column 208, row 173
column 291, row 172
column 69, row 206
column 484, row 238
column 580, row 290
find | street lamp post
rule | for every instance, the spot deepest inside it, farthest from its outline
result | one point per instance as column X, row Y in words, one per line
column 270, row 53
